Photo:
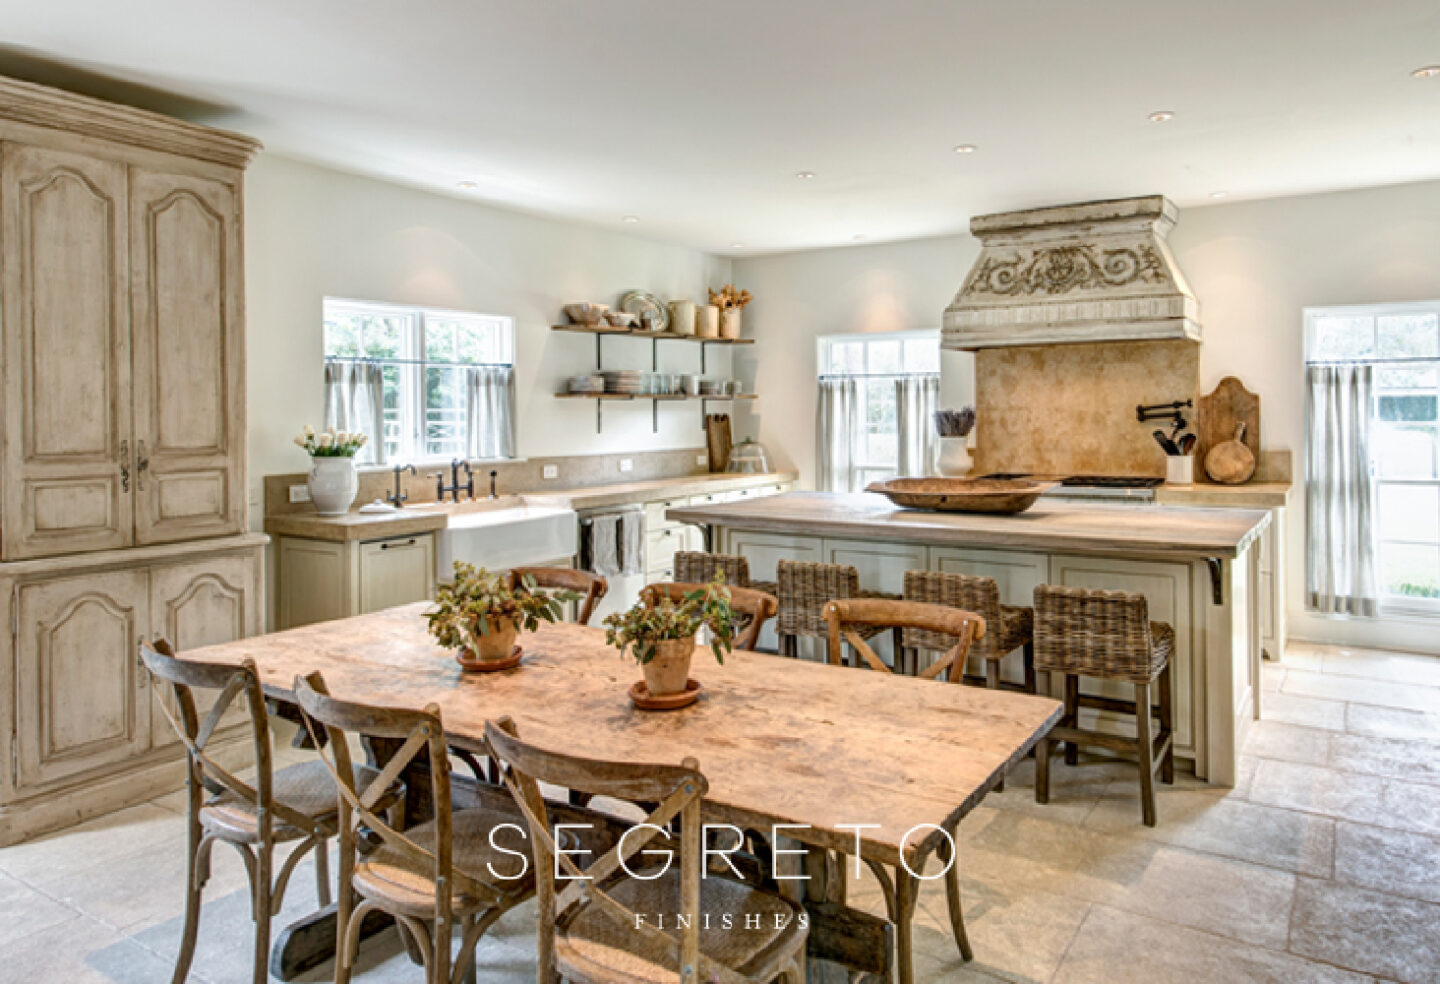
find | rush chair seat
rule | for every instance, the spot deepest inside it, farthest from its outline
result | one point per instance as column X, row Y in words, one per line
column 293, row 804
column 1107, row 635
column 755, row 607
column 603, row 930
column 846, row 621
column 590, row 587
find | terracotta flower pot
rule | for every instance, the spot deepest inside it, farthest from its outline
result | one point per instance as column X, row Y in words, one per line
column 498, row 640
column 668, row 671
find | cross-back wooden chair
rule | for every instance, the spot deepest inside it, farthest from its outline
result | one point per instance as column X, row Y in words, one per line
column 431, row 875
column 591, row 587
column 296, row 803
column 602, row 930
column 755, row 607
column 846, row 620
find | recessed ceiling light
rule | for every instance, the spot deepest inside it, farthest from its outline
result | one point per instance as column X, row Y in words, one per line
column 467, row 185
column 1218, row 194
column 804, row 175
column 737, row 245
column 965, row 149
column 1428, row 72
column 858, row 236
column 1161, row 116
column 632, row 219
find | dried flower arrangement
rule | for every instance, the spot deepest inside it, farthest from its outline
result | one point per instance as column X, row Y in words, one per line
column 728, row 298
column 955, row 423
column 330, row 443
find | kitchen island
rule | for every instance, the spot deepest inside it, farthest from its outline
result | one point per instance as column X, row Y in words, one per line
column 1197, row 567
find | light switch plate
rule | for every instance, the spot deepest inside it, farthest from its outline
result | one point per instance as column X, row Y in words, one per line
column 299, row 493
column 702, row 459
column 627, row 464
column 550, row 471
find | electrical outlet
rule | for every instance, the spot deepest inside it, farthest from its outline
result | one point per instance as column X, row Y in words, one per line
column 550, row 471
column 627, row 464
column 299, row 493
column 703, row 460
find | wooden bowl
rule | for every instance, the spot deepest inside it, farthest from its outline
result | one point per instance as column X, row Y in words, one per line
column 586, row 312
column 975, row 495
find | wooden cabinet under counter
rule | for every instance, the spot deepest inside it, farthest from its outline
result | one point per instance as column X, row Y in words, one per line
column 319, row 580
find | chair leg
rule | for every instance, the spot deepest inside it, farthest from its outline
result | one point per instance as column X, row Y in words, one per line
column 906, row 895
column 1145, row 740
column 1072, row 714
column 992, row 674
column 1028, row 654
column 344, row 906
column 467, row 960
column 1042, row 770
column 263, row 863
column 322, row 872
column 952, row 898
column 193, row 889
column 1167, row 722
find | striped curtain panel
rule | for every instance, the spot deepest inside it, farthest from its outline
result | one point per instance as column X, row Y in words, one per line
column 916, row 398
column 355, row 402
column 490, row 411
column 1339, row 494
column 837, row 436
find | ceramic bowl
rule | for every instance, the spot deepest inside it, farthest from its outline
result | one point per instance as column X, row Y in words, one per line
column 586, row 312
column 620, row 319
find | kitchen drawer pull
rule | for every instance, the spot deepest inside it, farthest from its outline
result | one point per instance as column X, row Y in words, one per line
column 397, row 543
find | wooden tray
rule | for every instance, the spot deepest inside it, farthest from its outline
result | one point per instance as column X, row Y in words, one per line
column 642, row 699
column 975, row 495
column 490, row 665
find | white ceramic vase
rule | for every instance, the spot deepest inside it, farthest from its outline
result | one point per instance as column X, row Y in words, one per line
column 333, row 484
column 954, row 460
column 730, row 323
column 707, row 321
column 1180, row 469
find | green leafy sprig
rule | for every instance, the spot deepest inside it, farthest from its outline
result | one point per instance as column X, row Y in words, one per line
column 465, row 606
column 640, row 630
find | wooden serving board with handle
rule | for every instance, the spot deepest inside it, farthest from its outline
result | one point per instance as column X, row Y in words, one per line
column 717, row 440
column 1219, row 414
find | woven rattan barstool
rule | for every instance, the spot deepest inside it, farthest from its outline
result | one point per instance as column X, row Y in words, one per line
column 1008, row 627
column 803, row 588
column 1106, row 635
column 697, row 567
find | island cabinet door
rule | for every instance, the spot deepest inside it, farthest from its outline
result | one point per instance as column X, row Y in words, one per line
column 1016, row 574
column 82, row 697
column 1170, row 591
column 203, row 603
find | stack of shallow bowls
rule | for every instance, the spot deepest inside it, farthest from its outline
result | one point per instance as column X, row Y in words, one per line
column 623, row 380
column 712, row 387
column 587, row 384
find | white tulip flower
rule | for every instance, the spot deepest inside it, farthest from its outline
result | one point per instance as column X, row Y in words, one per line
column 327, row 440
column 309, row 431
column 300, row 441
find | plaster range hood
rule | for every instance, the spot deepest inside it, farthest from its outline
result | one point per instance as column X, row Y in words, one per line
column 1092, row 272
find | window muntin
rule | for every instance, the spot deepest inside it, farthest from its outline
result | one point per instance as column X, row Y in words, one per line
column 876, row 361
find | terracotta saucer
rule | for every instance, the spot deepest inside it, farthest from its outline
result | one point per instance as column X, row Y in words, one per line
column 670, row 702
column 490, row 665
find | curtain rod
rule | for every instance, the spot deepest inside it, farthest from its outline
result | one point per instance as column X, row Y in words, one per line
column 419, row 362
column 876, row 375
column 1397, row 361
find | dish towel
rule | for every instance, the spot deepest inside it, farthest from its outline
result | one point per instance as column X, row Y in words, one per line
column 605, row 544
column 632, row 542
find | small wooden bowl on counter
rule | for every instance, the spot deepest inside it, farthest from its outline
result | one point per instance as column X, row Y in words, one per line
column 1005, row 496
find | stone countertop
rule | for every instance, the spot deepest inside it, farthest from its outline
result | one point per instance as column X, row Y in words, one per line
column 426, row 517
column 1097, row 529
column 1253, row 495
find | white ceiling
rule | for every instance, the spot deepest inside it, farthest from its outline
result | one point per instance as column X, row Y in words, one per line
column 697, row 117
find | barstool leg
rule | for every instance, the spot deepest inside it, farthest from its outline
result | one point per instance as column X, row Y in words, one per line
column 1145, row 740
column 1072, row 715
column 992, row 682
column 1029, row 654
column 1167, row 722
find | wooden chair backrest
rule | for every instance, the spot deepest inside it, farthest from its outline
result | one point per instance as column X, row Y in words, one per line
column 181, row 678
column 842, row 616
column 677, row 789
column 757, row 606
column 968, row 592
column 591, row 586
column 421, row 732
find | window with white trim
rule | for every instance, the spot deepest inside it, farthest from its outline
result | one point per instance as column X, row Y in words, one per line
column 423, row 354
column 1402, row 342
column 876, row 360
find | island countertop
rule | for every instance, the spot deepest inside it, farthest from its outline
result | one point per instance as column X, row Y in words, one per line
column 1102, row 529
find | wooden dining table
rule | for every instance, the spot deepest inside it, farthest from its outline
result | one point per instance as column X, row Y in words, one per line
column 842, row 759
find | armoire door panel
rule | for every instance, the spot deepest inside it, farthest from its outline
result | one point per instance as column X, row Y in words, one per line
column 189, row 409
column 77, row 674
column 66, row 353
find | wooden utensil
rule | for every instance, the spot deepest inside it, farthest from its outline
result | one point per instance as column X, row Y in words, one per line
column 1231, row 462
column 717, row 440
column 1218, row 413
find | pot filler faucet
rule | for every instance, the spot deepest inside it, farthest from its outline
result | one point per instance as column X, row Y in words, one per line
column 454, row 488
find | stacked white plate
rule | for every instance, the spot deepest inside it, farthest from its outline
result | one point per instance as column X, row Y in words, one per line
column 622, row 380
column 587, row 384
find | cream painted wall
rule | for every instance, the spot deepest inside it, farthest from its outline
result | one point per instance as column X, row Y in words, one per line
column 1253, row 265
column 313, row 232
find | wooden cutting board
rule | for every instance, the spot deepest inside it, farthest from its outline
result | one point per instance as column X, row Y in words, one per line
column 1218, row 413
column 717, row 440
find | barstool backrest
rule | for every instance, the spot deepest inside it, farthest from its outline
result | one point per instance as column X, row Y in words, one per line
column 1091, row 632
column 968, row 592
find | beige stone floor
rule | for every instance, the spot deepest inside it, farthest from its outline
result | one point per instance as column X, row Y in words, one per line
column 1323, row 864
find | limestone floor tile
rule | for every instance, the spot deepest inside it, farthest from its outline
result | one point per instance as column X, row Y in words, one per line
column 1016, row 935
column 1410, row 806
column 1212, row 822
column 1315, row 789
column 1367, row 931
column 1310, row 712
column 1290, row 742
column 1302, row 655
column 1372, row 664
column 1243, row 901
column 1272, row 675
column 95, row 843
column 1411, row 759
column 1395, row 861
column 1359, row 690
column 24, row 911
column 1117, row 947
column 81, row 951
column 1391, row 722
column 1074, row 790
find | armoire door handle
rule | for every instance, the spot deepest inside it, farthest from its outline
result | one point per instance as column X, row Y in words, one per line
column 124, row 466
column 141, row 463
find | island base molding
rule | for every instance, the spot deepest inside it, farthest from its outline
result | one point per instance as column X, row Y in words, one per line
column 1212, row 603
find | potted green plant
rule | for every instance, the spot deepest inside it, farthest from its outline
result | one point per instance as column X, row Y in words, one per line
column 479, row 613
column 661, row 637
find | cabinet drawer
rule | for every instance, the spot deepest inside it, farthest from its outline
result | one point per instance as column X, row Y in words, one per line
column 655, row 513
column 660, row 545
column 396, row 572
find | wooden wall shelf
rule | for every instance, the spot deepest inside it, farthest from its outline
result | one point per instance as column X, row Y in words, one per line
column 638, row 333
column 671, row 398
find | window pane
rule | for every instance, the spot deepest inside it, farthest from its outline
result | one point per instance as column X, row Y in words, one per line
column 846, row 357
column 439, row 340
column 1407, row 336
column 1409, row 570
column 1407, row 408
column 394, row 419
column 922, row 355
column 342, row 336
column 383, row 336
column 1391, row 378
column 881, row 447
column 1339, row 338
column 444, row 424
column 884, row 357
column 1409, row 512
column 1405, row 450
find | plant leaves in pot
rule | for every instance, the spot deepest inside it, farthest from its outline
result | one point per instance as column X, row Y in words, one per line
column 661, row 636
column 479, row 614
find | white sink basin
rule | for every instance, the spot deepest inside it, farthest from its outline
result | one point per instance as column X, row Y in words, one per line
column 507, row 532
